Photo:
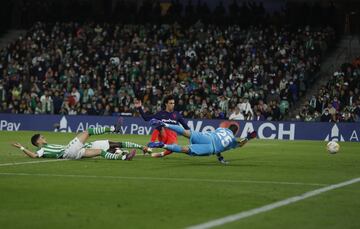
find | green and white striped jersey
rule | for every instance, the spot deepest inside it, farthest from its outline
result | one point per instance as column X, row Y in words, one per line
column 51, row 151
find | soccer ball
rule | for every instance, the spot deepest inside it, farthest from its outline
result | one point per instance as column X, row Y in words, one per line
column 333, row 147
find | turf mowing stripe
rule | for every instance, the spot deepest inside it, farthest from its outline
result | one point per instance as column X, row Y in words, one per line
column 269, row 207
column 31, row 162
column 161, row 179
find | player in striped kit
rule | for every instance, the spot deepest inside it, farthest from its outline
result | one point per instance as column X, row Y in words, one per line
column 78, row 148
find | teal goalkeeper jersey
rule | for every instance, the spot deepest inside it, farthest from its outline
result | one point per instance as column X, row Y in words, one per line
column 223, row 139
column 51, row 151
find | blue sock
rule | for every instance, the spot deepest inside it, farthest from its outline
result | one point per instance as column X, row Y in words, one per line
column 174, row 148
column 176, row 128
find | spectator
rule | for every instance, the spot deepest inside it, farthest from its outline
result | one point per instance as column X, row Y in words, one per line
column 259, row 116
column 246, row 109
column 326, row 116
column 75, row 94
column 47, row 105
column 236, row 115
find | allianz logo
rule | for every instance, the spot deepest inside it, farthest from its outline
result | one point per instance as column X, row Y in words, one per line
column 335, row 135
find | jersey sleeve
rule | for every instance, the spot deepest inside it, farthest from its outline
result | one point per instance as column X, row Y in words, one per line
column 40, row 152
column 182, row 121
column 145, row 116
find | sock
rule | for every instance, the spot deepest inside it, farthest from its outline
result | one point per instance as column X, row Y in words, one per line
column 131, row 145
column 176, row 128
column 98, row 130
column 110, row 156
column 173, row 148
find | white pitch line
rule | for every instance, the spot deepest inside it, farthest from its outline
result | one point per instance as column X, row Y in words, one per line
column 161, row 179
column 269, row 207
column 32, row 162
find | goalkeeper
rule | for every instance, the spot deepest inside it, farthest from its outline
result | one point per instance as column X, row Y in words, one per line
column 203, row 143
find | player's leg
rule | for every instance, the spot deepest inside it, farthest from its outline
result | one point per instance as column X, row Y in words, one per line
column 92, row 152
column 169, row 141
column 155, row 135
column 110, row 156
column 75, row 149
column 201, row 149
column 99, row 144
column 100, row 130
column 200, row 138
column 201, row 144
column 83, row 136
column 177, row 148
column 193, row 149
column 171, row 138
column 172, row 147
column 178, row 129
column 114, row 145
column 106, row 145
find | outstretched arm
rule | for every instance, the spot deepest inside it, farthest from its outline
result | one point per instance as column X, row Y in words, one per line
column 138, row 106
column 250, row 135
column 242, row 142
column 183, row 123
column 26, row 151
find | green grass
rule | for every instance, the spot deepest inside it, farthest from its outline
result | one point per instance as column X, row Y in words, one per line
column 179, row 191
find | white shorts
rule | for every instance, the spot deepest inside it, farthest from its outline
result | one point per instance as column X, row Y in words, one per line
column 74, row 150
column 101, row 144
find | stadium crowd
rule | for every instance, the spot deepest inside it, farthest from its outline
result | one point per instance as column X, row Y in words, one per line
column 339, row 99
column 254, row 72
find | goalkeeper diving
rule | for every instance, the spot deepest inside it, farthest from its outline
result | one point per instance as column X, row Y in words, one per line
column 203, row 143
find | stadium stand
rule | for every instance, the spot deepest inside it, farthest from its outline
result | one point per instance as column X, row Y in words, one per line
column 338, row 100
column 100, row 68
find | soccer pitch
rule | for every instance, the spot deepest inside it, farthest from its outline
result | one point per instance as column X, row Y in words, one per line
column 179, row 191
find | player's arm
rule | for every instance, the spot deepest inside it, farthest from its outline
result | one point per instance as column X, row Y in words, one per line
column 242, row 141
column 182, row 121
column 26, row 151
column 138, row 106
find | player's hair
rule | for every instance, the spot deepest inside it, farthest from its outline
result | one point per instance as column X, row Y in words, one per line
column 168, row 98
column 34, row 139
column 234, row 128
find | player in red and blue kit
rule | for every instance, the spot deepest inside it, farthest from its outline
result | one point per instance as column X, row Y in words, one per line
column 203, row 143
column 168, row 116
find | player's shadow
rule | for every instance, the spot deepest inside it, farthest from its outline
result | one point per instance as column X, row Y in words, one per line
column 189, row 163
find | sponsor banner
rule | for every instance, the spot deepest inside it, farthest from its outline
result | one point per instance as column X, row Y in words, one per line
column 136, row 125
